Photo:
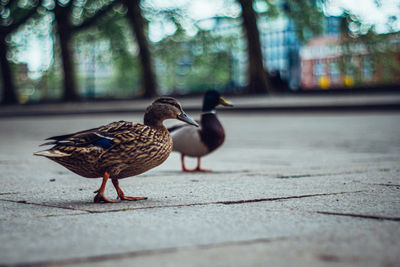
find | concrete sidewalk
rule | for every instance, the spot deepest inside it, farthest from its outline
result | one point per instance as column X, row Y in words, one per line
column 289, row 103
column 286, row 190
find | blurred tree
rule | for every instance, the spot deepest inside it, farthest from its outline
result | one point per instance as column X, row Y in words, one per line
column 307, row 16
column 13, row 14
column 196, row 63
column 380, row 52
column 139, row 26
column 258, row 78
column 113, row 55
column 115, row 30
column 70, row 17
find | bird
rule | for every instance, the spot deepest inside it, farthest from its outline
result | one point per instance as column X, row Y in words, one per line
column 198, row 142
column 120, row 149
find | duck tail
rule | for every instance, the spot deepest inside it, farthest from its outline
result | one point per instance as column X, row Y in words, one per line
column 51, row 154
column 49, row 143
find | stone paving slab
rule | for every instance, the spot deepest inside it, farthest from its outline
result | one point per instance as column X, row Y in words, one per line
column 9, row 209
column 226, row 185
column 154, row 229
column 180, row 190
column 353, row 248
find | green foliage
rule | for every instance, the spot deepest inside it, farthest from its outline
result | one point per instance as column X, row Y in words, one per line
column 14, row 11
column 49, row 85
column 269, row 9
column 125, row 79
column 194, row 64
column 111, row 43
column 307, row 16
column 379, row 51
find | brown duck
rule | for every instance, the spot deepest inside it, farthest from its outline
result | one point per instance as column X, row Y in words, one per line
column 119, row 149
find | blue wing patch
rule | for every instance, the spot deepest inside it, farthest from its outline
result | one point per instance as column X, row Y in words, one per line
column 104, row 143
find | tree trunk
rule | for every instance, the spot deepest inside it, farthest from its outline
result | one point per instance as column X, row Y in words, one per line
column 258, row 78
column 67, row 55
column 137, row 23
column 9, row 89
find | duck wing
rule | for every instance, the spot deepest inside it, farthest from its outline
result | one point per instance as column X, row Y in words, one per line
column 187, row 140
column 103, row 136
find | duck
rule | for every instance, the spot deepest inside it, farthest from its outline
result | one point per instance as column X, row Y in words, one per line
column 119, row 149
column 201, row 141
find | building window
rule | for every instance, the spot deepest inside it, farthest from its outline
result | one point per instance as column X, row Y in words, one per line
column 317, row 70
column 334, row 72
column 367, row 69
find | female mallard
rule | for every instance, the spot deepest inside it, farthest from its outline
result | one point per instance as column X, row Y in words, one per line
column 198, row 142
column 119, row 149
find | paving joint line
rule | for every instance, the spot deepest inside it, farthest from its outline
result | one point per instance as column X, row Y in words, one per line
column 41, row 204
column 315, row 174
column 394, row 185
column 134, row 254
column 373, row 217
column 229, row 202
column 8, row 193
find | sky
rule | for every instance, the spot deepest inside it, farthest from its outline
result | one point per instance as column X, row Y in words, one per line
column 368, row 11
column 37, row 60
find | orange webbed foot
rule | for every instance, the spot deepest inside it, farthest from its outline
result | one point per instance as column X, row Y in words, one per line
column 102, row 198
column 121, row 194
column 123, row 197
column 197, row 169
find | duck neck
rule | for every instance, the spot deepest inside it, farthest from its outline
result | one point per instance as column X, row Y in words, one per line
column 209, row 105
column 152, row 119
column 208, row 112
column 211, row 111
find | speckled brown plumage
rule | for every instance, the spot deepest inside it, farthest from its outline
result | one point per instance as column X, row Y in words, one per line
column 119, row 149
column 136, row 148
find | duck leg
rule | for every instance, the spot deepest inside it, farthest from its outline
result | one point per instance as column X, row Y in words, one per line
column 184, row 169
column 121, row 194
column 198, row 168
column 183, row 164
column 100, row 192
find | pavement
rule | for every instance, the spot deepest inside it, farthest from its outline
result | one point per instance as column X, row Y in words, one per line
column 287, row 189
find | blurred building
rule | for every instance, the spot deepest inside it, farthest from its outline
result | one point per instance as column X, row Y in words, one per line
column 280, row 44
column 281, row 50
column 331, row 61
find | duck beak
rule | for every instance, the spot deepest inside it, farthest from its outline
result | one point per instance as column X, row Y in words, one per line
column 225, row 102
column 185, row 118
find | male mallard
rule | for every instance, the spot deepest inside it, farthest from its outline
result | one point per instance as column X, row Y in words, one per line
column 198, row 142
column 119, row 149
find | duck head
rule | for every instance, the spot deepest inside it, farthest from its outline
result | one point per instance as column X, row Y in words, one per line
column 165, row 108
column 212, row 99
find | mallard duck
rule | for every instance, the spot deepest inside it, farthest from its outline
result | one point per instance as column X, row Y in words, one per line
column 119, row 149
column 198, row 142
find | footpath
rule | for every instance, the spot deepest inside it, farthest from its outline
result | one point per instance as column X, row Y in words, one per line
column 287, row 188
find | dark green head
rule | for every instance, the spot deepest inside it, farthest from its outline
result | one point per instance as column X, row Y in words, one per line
column 212, row 99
